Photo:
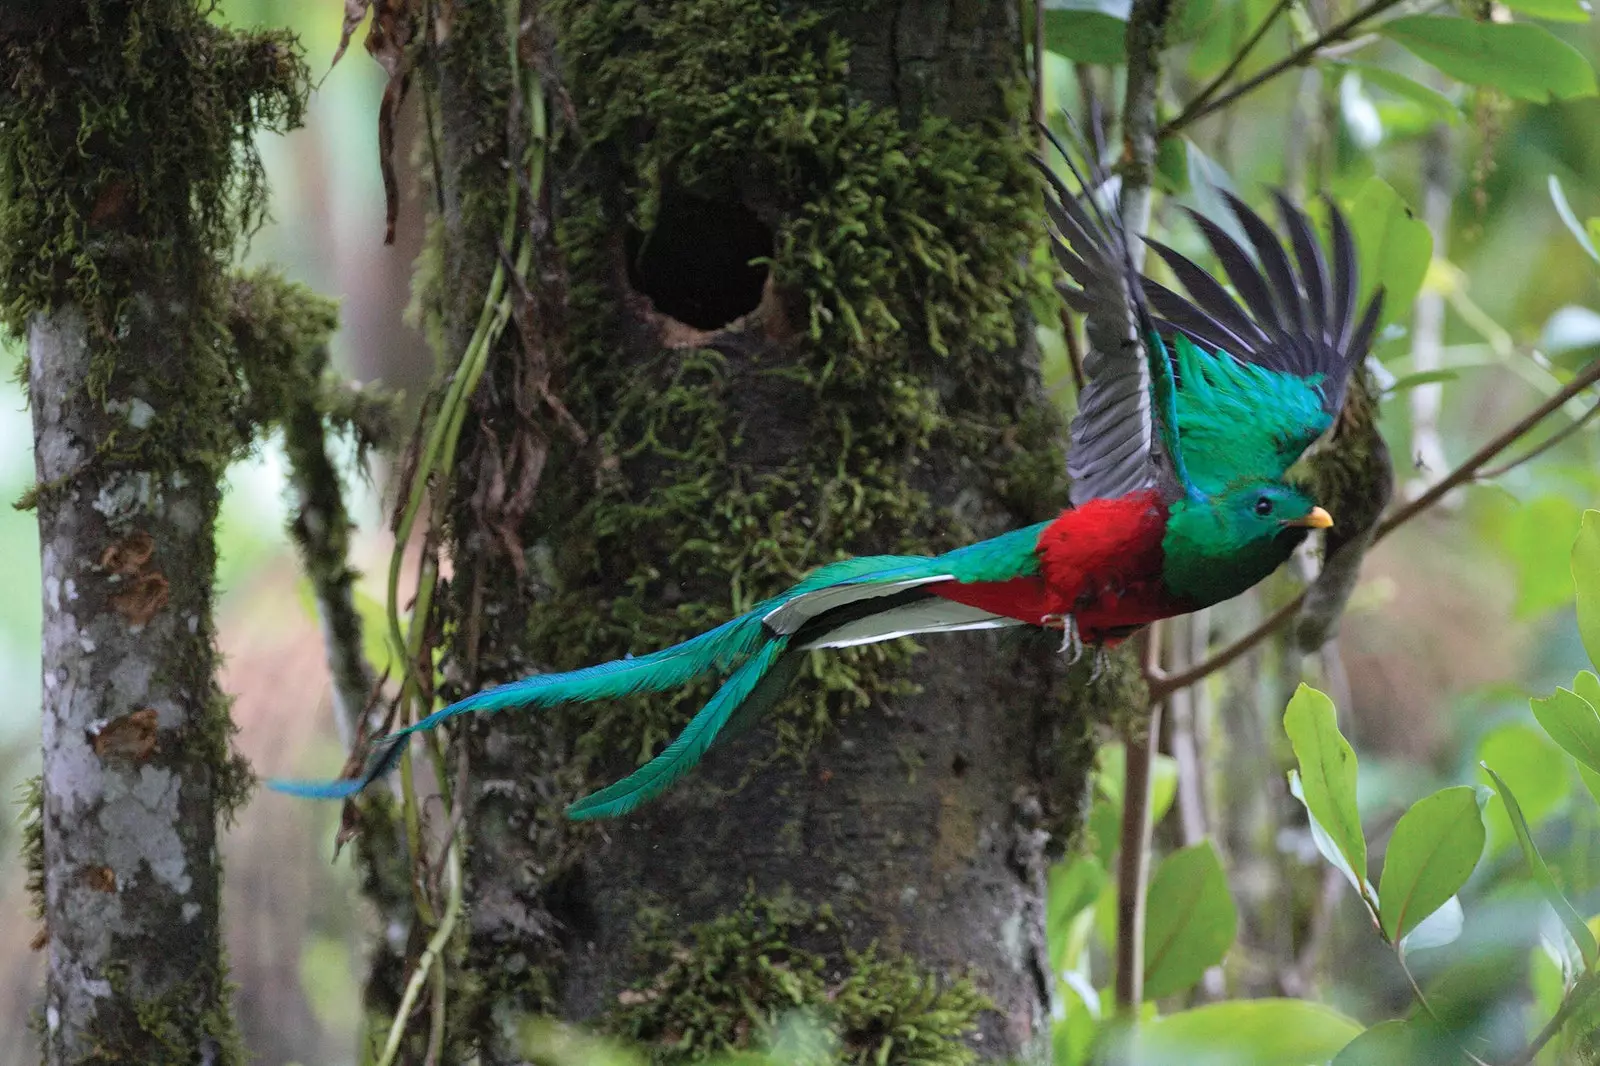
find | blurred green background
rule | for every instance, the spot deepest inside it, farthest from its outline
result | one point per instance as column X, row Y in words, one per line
column 1459, row 617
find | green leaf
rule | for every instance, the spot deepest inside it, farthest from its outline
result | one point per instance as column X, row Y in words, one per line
column 1074, row 885
column 1541, row 874
column 1190, row 923
column 1442, row 927
column 1587, row 685
column 1256, row 1032
column 1553, row 10
column 1520, row 59
column 1327, row 772
column 1394, row 247
column 1424, row 377
column 1569, row 218
column 1534, row 766
column 1438, row 106
column 1572, row 723
column 1330, row 850
column 1435, row 846
column 1396, row 1042
column 1535, row 534
column 1586, row 580
column 1592, row 228
column 1087, row 31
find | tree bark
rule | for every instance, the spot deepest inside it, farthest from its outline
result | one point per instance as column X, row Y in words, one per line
column 887, row 830
column 123, row 126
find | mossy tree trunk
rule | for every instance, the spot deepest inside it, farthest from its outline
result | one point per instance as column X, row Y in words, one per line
column 126, row 175
column 870, row 386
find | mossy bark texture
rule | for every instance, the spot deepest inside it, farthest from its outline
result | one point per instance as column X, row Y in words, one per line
column 874, row 389
column 126, row 175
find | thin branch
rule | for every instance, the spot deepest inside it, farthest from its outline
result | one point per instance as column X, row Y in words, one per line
column 1161, row 687
column 1147, row 30
column 1133, row 862
column 1586, row 986
column 1539, row 449
column 1422, row 1000
column 1187, row 114
column 1038, row 74
column 1298, row 57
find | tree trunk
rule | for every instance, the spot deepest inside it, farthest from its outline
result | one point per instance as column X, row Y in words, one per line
column 121, row 128
column 875, row 853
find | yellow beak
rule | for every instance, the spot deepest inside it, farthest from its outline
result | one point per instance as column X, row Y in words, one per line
column 1317, row 519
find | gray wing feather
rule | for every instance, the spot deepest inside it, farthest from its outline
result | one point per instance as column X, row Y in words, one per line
column 1113, row 432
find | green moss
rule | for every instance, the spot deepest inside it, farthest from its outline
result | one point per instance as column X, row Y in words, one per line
column 732, row 983
column 32, row 821
column 900, row 251
column 189, row 1023
column 128, row 168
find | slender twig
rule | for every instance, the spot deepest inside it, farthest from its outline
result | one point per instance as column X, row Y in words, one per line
column 1147, row 25
column 1538, row 449
column 1296, row 58
column 1580, row 992
column 1160, row 687
column 428, row 959
column 1204, row 95
column 1133, row 861
column 1422, row 1000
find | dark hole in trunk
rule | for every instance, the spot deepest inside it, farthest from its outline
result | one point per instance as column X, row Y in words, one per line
column 695, row 263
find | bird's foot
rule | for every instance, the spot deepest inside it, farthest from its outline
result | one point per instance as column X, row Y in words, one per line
column 1102, row 659
column 1071, row 645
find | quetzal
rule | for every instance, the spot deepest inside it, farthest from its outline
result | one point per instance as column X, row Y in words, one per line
column 1178, row 500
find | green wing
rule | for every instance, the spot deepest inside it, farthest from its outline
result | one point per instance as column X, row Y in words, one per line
column 1261, row 376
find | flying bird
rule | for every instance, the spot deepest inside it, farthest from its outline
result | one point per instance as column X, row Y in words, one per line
column 1179, row 452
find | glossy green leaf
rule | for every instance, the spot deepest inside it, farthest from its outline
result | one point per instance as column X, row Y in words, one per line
column 1256, row 1032
column 1434, row 848
column 1439, row 106
column 1520, row 59
column 1327, row 773
column 1074, row 885
column 1575, row 925
column 1534, row 533
column 1330, row 850
column 1587, row 685
column 1087, row 31
column 1393, row 246
column 1532, row 764
column 1552, row 10
column 1397, row 1043
column 1592, row 228
column 1572, row 723
column 1190, row 920
column 1569, row 218
column 1586, row 580
column 1443, row 926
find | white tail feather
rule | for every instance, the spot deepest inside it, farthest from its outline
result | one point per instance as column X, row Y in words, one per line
column 925, row 616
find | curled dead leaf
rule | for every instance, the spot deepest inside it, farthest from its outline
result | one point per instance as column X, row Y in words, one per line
column 100, row 878
column 393, row 25
column 144, row 596
column 129, row 555
column 131, row 737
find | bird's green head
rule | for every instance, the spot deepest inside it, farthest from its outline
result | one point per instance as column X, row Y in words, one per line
column 1215, row 547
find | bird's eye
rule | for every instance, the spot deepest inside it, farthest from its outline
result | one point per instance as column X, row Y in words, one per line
column 1263, row 506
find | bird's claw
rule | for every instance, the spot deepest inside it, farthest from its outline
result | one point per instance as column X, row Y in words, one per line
column 1102, row 658
column 1071, row 646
